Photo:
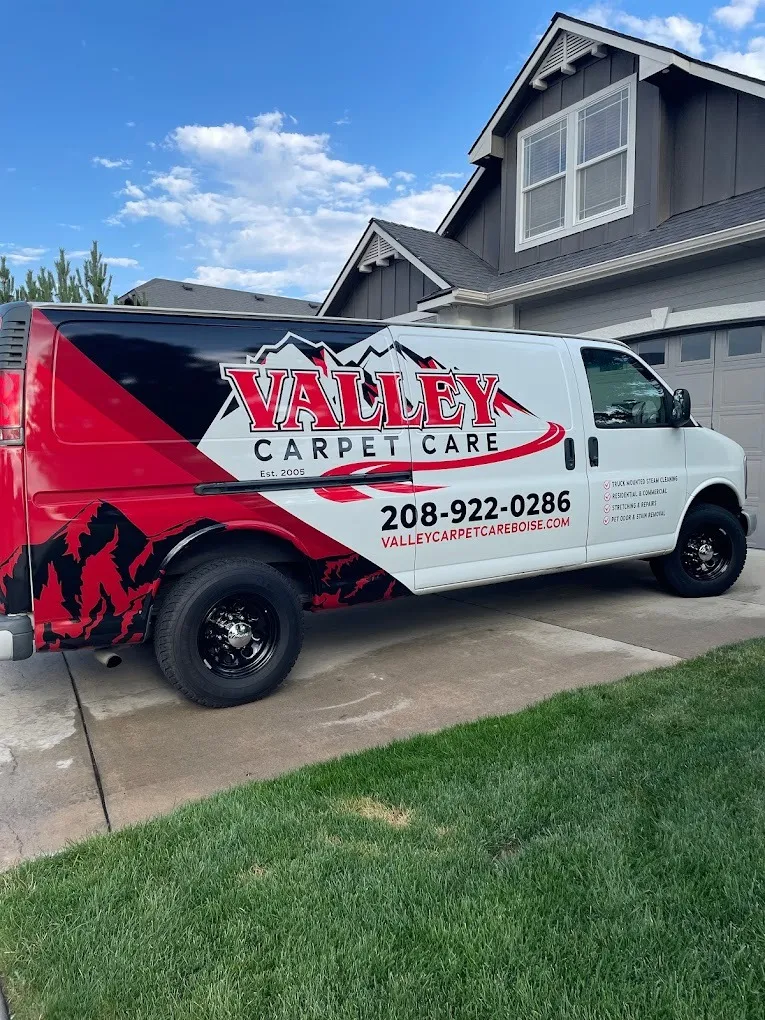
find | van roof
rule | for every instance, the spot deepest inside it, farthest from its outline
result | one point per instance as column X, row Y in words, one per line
column 211, row 313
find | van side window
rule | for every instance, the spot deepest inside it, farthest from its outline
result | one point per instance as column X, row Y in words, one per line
column 624, row 393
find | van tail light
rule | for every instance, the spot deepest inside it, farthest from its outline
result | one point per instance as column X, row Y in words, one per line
column 11, row 408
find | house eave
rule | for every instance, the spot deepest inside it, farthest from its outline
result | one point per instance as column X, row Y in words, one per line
column 686, row 248
column 460, row 201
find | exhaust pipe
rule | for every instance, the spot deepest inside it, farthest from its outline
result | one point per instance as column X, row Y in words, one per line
column 107, row 657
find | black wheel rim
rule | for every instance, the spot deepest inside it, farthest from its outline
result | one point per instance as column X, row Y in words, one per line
column 707, row 553
column 238, row 636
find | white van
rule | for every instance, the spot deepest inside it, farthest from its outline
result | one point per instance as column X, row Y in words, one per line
column 200, row 478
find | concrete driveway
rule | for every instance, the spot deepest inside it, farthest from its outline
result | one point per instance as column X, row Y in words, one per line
column 83, row 748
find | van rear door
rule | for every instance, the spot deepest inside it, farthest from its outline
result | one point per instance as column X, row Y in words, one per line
column 15, row 592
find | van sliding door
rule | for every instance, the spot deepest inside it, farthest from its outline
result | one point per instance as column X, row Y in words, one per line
column 500, row 482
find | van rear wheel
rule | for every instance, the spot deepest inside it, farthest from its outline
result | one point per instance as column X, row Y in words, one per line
column 229, row 632
column 709, row 556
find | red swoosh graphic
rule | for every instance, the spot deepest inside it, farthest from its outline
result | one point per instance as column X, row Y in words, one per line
column 349, row 494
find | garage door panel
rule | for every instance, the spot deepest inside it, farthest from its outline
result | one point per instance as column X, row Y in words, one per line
column 738, row 408
column 700, row 384
column 727, row 393
column 740, row 386
column 754, row 486
column 744, row 428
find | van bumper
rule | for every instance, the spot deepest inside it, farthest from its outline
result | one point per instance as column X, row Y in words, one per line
column 749, row 521
column 16, row 637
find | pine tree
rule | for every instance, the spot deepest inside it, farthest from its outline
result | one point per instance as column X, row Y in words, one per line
column 95, row 287
column 37, row 288
column 7, row 283
column 66, row 287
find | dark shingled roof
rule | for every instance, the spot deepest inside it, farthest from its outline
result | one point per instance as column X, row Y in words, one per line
column 708, row 219
column 176, row 294
column 451, row 260
column 461, row 268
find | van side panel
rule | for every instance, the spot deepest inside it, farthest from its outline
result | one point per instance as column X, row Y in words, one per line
column 111, row 482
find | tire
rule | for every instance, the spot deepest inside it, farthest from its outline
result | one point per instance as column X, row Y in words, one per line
column 709, row 556
column 201, row 642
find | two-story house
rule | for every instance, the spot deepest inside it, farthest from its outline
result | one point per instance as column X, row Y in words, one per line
column 619, row 192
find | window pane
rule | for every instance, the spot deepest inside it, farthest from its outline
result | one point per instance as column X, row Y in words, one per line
column 744, row 340
column 624, row 393
column 544, row 154
column 602, row 186
column 652, row 351
column 544, row 208
column 697, row 347
column 603, row 126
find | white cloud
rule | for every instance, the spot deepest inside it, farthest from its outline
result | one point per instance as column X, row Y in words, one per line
column 737, row 14
column 70, row 226
column 700, row 40
column 268, row 281
column 111, row 164
column 751, row 61
column 111, row 260
column 23, row 256
column 123, row 263
column 676, row 31
column 447, row 175
column 130, row 123
column 131, row 191
column 345, row 119
column 269, row 208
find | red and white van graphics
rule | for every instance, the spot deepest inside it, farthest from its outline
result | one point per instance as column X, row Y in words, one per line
column 327, row 463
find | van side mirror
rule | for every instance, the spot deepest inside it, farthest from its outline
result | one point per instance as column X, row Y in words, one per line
column 680, row 411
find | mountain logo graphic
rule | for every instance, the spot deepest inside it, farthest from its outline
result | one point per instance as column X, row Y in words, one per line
column 298, row 387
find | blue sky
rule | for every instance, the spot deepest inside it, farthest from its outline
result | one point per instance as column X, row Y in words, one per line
column 246, row 145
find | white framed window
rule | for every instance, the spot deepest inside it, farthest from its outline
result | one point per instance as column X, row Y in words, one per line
column 576, row 169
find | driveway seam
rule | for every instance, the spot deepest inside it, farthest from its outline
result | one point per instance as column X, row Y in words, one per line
column 573, row 630
column 91, row 752
column 741, row 602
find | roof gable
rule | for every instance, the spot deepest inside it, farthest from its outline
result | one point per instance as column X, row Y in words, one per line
column 569, row 38
column 375, row 247
column 442, row 259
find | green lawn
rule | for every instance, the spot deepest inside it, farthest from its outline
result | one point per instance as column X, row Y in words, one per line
column 600, row 855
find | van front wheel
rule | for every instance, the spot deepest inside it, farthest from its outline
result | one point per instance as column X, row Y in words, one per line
column 709, row 556
column 229, row 632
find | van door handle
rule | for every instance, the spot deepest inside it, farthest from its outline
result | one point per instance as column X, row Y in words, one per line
column 592, row 450
column 570, row 454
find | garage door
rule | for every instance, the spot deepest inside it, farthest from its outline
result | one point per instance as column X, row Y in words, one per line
column 724, row 371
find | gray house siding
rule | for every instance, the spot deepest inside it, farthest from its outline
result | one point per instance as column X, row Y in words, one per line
column 609, row 303
column 696, row 144
column 651, row 164
column 386, row 291
column 719, row 136
column 481, row 229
